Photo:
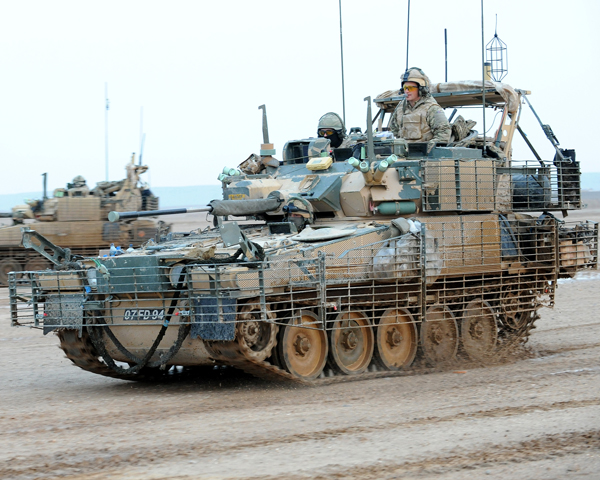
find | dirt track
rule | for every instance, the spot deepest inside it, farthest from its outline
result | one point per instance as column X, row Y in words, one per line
column 536, row 417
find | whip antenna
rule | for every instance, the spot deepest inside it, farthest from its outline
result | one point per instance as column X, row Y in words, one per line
column 407, row 33
column 106, row 128
column 142, row 149
column 342, row 55
column 142, row 135
column 446, row 53
column 483, row 77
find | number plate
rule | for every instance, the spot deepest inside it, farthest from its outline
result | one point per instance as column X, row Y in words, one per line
column 134, row 314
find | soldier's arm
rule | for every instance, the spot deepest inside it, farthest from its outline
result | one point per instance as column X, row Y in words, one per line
column 441, row 129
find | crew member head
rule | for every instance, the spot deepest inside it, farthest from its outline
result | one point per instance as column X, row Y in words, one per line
column 415, row 84
column 332, row 127
column 78, row 182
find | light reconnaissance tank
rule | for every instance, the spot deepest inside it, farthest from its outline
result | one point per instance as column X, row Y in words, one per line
column 349, row 263
column 76, row 217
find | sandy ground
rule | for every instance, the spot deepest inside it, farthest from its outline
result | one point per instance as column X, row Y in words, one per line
column 534, row 417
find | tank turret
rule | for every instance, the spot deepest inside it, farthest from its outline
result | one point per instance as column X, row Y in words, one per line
column 386, row 177
column 75, row 217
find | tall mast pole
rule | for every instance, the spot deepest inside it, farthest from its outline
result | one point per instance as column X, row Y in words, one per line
column 141, row 123
column 446, row 54
column 342, row 55
column 106, row 128
column 407, row 33
column 483, row 76
column 141, row 135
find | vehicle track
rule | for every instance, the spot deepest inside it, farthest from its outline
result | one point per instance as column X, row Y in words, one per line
column 80, row 349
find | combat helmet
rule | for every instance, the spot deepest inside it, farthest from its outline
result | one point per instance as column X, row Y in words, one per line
column 332, row 121
column 416, row 75
column 78, row 181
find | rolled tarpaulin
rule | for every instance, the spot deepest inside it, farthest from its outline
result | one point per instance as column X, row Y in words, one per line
column 240, row 208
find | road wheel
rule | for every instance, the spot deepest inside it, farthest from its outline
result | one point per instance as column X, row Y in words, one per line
column 479, row 330
column 303, row 350
column 35, row 264
column 351, row 342
column 396, row 339
column 6, row 266
column 439, row 335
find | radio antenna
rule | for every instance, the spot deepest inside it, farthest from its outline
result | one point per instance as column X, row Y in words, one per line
column 142, row 135
column 106, row 128
column 407, row 33
column 142, row 149
column 342, row 55
column 483, row 77
column 446, row 53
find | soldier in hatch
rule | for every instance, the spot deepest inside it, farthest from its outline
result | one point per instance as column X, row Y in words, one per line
column 77, row 182
column 419, row 118
column 332, row 127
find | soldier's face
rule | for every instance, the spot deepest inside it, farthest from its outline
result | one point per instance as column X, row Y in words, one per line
column 411, row 90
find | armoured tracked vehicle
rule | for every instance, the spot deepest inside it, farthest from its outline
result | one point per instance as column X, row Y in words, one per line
column 75, row 217
column 351, row 262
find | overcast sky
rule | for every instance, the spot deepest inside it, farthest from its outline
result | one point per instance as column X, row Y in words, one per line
column 200, row 70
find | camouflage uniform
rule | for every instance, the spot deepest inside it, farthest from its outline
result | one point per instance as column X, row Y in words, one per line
column 347, row 142
column 425, row 122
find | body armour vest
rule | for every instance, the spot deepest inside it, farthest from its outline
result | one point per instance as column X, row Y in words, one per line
column 413, row 122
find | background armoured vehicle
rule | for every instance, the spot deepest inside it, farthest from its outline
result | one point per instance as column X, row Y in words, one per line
column 75, row 217
column 353, row 262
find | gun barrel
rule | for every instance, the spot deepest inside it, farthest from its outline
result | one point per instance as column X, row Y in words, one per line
column 219, row 208
column 116, row 216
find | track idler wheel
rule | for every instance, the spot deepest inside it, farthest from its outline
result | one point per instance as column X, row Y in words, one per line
column 396, row 339
column 255, row 337
column 351, row 342
column 303, row 350
column 479, row 330
column 439, row 335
